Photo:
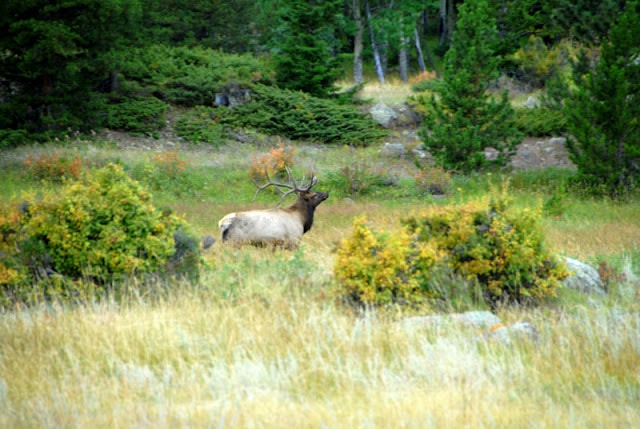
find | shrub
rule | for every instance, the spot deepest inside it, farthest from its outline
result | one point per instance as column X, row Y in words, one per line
column 491, row 244
column 299, row 116
column 383, row 268
column 200, row 125
column 537, row 63
column 273, row 163
column 499, row 247
column 170, row 163
column 11, row 138
column 190, row 76
column 100, row 229
column 53, row 167
column 360, row 177
column 540, row 122
column 432, row 180
column 143, row 116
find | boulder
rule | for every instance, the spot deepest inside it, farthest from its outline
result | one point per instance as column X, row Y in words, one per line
column 557, row 141
column 384, row 115
column 393, row 150
column 506, row 333
column 583, row 278
column 473, row 319
column 532, row 103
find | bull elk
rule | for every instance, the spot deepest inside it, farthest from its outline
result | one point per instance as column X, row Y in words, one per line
column 277, row 226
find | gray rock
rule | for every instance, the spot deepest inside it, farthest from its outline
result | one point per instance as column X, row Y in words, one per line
column 208, row 241
column 384, row 115
column 560, row 141
column 473, row 319
column 532, row 103
column 491, row 154
column 418, row 154
column 393, row 150
column 583, row 278
column 506, row 333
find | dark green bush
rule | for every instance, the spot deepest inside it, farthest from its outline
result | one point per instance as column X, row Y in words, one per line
column 190, row 76
column 95, row 231
column 436, row 85
column 138, row 115
column 540, row 122
column 10, row 138
column 200, row 125
column 299, row 116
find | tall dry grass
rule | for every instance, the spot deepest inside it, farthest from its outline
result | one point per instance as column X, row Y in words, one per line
column 277, row 356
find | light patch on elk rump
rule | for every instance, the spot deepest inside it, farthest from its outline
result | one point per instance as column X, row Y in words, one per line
column 277, row 226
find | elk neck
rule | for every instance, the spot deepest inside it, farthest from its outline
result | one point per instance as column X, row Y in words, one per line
column 305, row 209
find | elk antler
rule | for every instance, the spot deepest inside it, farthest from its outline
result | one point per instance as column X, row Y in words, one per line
column 291, row 184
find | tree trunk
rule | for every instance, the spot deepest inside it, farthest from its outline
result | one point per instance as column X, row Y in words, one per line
column 357, row 43
column 443, row 23
column 447, row 21
column 114, row 82
column 416, row 35
column 421, row 63
column 403, row 58
column 451, row 22
column 374, row 46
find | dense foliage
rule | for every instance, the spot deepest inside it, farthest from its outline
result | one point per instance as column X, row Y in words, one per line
column 93, row 231
column 54, row 56
column 464, row 119
column 298, row 115
column 189, row 76
column 496, row 247
column 305, row 61
column 603, row 112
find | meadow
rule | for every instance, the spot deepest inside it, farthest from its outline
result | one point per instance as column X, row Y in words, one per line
column 260, row 341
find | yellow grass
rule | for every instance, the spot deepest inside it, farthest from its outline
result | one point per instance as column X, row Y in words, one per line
column 393, row 92
column 287, row 359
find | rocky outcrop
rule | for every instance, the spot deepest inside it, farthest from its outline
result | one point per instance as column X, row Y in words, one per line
column 583, row 278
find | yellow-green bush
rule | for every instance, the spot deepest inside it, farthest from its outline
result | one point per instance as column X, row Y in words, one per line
column 492, row 244
column 537, row 62
column 380, row 268
column 99, row 229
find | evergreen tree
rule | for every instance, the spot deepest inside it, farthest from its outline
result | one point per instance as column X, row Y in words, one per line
column 604, row 112
column 306, row 61
column 55, row 54
column 465, row 119
column 587, row 21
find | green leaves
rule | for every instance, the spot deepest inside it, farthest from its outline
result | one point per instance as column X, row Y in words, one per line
column 98, row 229
column 305, row 61
column 297, row 115
column 465, row 119
column 603, row 113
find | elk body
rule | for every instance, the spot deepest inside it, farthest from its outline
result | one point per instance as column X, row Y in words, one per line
column 278, row 226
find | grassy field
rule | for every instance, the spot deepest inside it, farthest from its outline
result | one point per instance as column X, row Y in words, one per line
column 259, row 342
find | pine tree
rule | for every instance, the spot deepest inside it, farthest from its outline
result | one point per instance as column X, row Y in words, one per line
column 305, row 60
column 604, row 112
column 465, row 119
column 57, row 53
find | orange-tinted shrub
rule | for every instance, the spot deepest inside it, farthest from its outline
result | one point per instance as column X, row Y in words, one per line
column 54, row 166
